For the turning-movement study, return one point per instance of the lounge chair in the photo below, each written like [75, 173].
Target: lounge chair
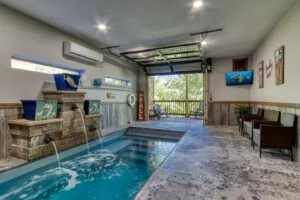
[158, 112]
[269, 116]
[198, 112]
[249, 117]
[280, 135]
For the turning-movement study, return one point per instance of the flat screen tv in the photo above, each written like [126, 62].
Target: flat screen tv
[239, 78]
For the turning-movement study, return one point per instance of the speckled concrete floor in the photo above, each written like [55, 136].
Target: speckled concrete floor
[217, 163]
[10, 162]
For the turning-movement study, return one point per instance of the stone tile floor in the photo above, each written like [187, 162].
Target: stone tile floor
[214, 162]
[219, 164]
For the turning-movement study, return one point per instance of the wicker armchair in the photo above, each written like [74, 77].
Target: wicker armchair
[249, 118]
[275, 135]
[270, 116]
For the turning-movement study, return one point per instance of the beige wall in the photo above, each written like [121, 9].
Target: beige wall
[286, 33]
[217, 84]
[22, 35]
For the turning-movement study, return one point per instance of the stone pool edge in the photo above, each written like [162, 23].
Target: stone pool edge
[14, 171]
[147, 189]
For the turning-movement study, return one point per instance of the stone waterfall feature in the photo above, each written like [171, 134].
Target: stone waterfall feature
[67, 131]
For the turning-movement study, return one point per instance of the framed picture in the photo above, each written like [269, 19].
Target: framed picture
[239, 78]
[279, 66]
[240, 64]
[261, 75]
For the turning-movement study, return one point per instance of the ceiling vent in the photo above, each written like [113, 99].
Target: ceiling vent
[81, 54]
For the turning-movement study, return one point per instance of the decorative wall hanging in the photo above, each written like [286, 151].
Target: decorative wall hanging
[239, 78]
[240, 64]
[141, 106]
[279, 66]
[269, 69]
[97, 82]
[111, 95]
[261, 75]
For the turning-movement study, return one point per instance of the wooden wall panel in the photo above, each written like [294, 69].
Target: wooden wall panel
[7, 113]
[222, 113]
[116, 114]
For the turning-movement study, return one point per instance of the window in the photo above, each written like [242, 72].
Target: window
[19, 62]
[117, 82]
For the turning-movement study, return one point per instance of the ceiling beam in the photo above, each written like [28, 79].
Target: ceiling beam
[173, 63]
[170, 64]
[144, 68]
[165, 54]
[206, 32]
[109, 48]
[186, 57]
[158, 48]
[175, 72]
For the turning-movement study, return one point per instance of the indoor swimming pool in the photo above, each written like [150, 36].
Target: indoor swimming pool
[116, 169]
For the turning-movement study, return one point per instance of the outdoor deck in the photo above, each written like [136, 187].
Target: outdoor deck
[217, 163]
[179, 119]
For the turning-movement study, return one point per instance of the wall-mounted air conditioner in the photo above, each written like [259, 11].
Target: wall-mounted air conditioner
[80, 53]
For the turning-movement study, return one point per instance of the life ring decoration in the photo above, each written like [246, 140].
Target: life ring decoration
[131, 100]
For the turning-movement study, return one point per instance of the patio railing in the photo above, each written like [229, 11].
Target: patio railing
[179, 107]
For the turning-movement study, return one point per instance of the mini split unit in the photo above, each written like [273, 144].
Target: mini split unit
[81, 54]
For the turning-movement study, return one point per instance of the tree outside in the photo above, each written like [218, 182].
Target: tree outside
[173, 87]
[170, 93]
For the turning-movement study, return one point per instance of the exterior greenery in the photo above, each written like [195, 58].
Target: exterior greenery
[170, 93]
[173, 87]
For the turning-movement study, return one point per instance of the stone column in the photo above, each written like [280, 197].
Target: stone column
[72, 127]
[28, 138]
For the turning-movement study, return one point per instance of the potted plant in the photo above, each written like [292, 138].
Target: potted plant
[241, 110]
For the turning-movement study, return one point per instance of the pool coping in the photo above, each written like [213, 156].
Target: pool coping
[28, 167]
[108, 135]
[146, 186]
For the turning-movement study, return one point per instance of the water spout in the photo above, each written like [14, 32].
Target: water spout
[74, 107]
[57, 156]
[92, 129]
[49, 140]
[84, 129]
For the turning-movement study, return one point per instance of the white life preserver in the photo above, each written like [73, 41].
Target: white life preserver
[131, 100]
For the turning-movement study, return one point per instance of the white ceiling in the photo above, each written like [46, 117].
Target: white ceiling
[136, 24]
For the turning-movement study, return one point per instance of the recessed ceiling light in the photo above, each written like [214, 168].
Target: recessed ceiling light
[197, 4]
[203, 43]
[102, 27]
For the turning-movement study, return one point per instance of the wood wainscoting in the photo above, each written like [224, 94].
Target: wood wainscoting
[8, 111]
[114, 114]
[222, 113]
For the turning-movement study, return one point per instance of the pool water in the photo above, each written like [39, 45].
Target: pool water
[101, 174]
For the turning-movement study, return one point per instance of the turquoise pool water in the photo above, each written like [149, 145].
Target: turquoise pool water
[106, 174]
